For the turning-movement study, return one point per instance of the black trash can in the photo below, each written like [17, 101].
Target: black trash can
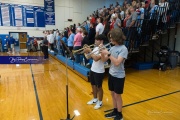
[173, 58]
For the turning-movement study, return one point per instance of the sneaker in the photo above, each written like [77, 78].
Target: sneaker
[98, 105]
[93, 101]
[118, 117]
[111, 115]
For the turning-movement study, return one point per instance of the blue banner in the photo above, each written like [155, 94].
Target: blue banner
[49, 12]
[29, 16]
[39, 16]
[49, 5]
[50, 18]
[21, 59]
[17, 15]
[26, 15]
[5, 14]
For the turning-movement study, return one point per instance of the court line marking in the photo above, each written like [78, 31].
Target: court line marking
[146, 100]
[36, 93]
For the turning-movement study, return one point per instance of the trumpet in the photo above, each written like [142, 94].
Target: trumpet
[88, 55]
[81, 50]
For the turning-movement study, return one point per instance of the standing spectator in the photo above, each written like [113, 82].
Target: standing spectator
[85, 41]
[117, 23]
[92, 33]
[35, 43]
[99, 27]
[11, 43]
[70, 40]
[112, 23]
[51, 41]
[58, 42]
[122, 13]
[66, 32]
[6, 44]
[45, 48]
[131, 21]
[64, 38]
[77, 44]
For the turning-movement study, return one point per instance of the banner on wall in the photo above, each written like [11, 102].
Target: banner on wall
[39, 16]
[5, 14]
[49, 12]
[28, 16]
[17, 15]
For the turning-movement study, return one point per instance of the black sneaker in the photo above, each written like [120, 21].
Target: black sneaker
[118, 117]
[111, 114]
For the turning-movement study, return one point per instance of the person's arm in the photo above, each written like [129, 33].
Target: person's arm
[132, 23]
[95, 57]
[134, 17]
[116, 61]
[119, 23]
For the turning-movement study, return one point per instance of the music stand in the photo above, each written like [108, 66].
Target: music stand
[67, 98]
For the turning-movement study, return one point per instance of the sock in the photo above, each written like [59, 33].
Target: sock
[115, 110]
[100, 102]
[95, 99]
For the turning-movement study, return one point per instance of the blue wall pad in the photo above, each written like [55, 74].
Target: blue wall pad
[143, 66]
[75, 66]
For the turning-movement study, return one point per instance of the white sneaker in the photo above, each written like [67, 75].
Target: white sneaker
[98, 105]
[93, 101]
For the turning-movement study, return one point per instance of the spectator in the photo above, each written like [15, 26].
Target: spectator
[99, 27]
[77, 44]
[92, 33]
[117, 23]
[11, 43]
[51, 41]
[131, 21]
[45, 48]
[71, 40]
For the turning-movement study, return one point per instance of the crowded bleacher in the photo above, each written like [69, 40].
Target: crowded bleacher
[140, 20]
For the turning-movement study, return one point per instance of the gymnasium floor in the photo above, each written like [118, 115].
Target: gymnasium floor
[38, 92]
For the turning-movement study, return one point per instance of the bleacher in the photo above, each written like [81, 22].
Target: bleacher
[144, 39]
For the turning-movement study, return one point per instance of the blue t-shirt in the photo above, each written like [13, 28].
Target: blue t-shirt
[71, 40]
[65, 40]
[58, 39]
[11, 41]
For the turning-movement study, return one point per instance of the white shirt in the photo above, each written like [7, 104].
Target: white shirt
[51, 39]
[97, 67]
[100, 28]
[122, 15]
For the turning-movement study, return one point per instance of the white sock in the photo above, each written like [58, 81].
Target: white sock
[100, 102]
[95, 99]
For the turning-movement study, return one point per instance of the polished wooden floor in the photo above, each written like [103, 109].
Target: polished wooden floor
[18, 100]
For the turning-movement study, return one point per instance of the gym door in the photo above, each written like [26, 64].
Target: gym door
[22, 40]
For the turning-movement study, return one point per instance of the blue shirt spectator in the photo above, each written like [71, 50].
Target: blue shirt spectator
[11, 40]
[65, 40]
[71, 39]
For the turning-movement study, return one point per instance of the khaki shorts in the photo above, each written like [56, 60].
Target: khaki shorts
[12, 45]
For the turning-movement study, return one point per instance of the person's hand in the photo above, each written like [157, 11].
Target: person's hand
[104, 52]
[87, 50]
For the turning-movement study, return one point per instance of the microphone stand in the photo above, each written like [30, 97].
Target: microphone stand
[67, 98]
